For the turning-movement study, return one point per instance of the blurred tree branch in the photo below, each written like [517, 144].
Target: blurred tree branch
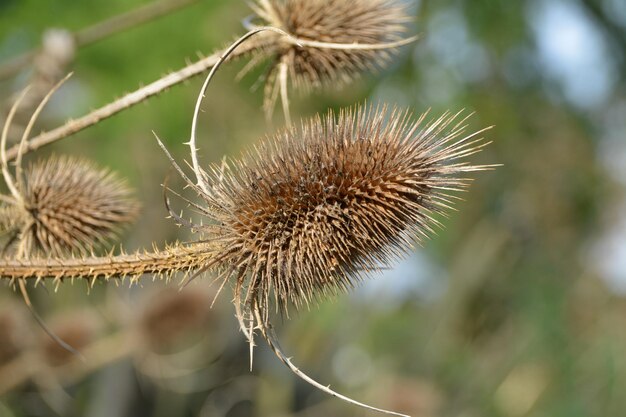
[615, 31]
[102, 30]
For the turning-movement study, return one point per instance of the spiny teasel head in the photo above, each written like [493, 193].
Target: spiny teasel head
[311, 211]
[68, 205]
[333, 38]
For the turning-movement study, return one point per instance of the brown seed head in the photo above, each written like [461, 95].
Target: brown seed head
[344, 22]
[312, 210]
[69, 206]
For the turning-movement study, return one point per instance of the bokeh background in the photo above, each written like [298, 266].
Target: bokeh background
[515, 309]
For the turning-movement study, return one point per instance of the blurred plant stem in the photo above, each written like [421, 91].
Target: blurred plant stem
[102, 30]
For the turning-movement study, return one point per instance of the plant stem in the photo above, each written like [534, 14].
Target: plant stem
[179, 257]
[125, 102]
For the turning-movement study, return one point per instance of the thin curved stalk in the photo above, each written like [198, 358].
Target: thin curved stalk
[268, 334]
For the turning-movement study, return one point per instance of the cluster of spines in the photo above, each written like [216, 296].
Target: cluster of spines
[312, 210]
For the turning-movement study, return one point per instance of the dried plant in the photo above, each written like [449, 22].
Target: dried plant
[69, 205]
[310, 211]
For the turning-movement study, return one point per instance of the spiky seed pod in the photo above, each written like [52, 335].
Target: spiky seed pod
[345, 22]
[312, 210]
[70, 206]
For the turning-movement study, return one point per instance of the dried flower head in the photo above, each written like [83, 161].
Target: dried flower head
[60, 205]
[312, 210]
[331, 41]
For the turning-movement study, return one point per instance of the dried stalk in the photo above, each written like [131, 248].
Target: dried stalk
[102, 30]
[167, 261]
[267, 331]
[270, 43]
[123, 103]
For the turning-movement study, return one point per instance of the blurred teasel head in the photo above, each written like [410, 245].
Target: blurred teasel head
[330, 43]
[68, 206]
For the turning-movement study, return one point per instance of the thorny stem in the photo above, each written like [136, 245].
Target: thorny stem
[170, 80]
[125, 102]
[179, 257]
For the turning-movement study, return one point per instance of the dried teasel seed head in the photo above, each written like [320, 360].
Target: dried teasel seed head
[69, 206]
[338, 24]
[312, 210]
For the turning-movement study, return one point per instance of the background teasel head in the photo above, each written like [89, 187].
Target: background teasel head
[337, 40]
[172, 314]
[60, 205]
[68, 206]
[78, 328]
[15, 332]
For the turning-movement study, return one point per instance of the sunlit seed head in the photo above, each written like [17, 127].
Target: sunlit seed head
[312, 210]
